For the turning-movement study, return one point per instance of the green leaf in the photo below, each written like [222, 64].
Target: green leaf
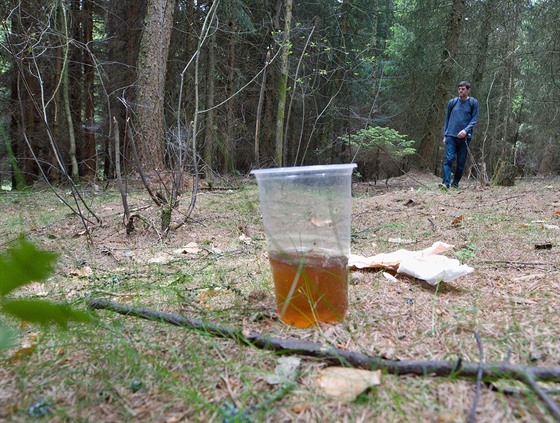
[7, 336]
[24, 264]
[43, 312]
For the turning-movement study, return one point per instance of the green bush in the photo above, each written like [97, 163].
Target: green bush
[379, 152]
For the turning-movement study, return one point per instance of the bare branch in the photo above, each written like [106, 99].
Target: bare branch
[490, 371]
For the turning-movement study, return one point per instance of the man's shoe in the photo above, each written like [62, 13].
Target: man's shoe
[455, 186]
[443, 187]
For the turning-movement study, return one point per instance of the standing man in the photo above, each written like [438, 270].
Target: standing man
[461, 117]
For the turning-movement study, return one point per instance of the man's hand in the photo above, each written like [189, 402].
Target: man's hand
[462, 134]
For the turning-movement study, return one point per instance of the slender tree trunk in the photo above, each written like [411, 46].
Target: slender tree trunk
[73, 88]
[68, 113]
[71, 92]
[18, 182]
[375, 24]
[433, 127]
[152, 65]
[511, 67]
[209, 132]
[283, 85]
[259, 112]
[89, 150]
[229, 138]
[336, 87]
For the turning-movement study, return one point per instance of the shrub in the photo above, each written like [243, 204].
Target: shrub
[379, 152]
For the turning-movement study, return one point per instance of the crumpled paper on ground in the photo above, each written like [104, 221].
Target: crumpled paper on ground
[427, 264]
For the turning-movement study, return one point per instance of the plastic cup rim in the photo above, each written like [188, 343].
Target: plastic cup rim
[303, 169]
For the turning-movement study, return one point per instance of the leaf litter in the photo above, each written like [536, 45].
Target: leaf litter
[511, 300]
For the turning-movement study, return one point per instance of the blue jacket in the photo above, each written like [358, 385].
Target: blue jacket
[460, 115]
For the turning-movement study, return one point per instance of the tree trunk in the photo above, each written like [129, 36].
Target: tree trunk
[229, 138]
[124, 33]
[209, 132]
[283, 86]
[152, 65]
[89, 151]
[337, 85]
[482, 43]
[74, 173]
[510, 71]
[25, 120]
[433, 127]
[72, 85]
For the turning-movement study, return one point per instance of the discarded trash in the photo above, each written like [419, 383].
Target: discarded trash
[426, 264]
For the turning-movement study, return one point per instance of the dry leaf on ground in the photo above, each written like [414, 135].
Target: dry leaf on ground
[345, 384]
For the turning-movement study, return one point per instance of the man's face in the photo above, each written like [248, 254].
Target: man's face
[463, 91]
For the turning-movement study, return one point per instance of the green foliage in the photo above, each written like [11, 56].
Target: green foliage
[44, 312]
[466, 253]
[20, 265]
[23, 264]
[379, 152]
[388, 140]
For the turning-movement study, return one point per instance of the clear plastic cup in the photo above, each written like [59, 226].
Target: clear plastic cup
[306, 215]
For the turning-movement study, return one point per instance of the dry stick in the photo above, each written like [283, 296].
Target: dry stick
[508, 198]
[472, 417]
[551, 405]
[490, 371]
[517, 263]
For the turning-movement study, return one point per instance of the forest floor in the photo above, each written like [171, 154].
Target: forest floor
[121, 368]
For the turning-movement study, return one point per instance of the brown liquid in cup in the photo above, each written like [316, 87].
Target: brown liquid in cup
[310, 288]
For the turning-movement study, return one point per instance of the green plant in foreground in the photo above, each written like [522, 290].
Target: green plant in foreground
[20, 265]
[466, 253]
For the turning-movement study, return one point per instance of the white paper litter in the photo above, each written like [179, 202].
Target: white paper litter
[425, 264]
[434, 269]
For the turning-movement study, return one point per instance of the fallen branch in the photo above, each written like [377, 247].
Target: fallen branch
[518, 263]
[479, 370]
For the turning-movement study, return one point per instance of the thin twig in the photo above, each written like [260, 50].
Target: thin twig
[517, 263]
[508, 198]
[472, 417]
[552, 407]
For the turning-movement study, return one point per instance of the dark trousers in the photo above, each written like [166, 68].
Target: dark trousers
[455, 148]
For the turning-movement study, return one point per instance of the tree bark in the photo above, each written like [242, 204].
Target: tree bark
[72, 83]
[152, 65]
[283, 86]
[432, 132]
[258, 116]
[123, 28]
[89, 151]
[482, 43]
[229, 138]
[209, 132]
